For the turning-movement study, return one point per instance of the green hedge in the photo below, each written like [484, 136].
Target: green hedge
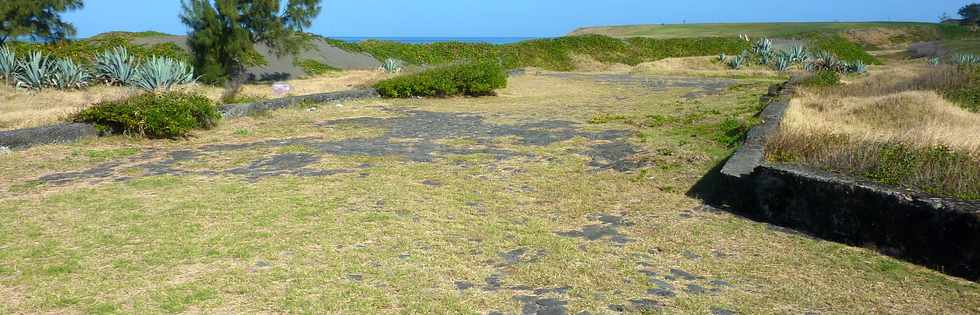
[478, 79]
[965, 93]
[151, 115]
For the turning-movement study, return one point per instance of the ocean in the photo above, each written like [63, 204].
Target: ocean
[429, 40]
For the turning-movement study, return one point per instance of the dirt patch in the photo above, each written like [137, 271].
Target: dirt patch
[702, 86]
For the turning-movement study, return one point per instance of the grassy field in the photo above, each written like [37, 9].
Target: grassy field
[963, 46]
[776, 30]
[565, 192]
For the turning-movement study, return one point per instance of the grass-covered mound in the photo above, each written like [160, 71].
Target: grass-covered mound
[840, 47]
[84, 50]
[477, 79]
[552, 53]
[152, 115]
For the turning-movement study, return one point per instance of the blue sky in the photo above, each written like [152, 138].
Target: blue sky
[519, 18]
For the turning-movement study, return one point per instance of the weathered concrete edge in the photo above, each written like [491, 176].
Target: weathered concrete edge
[241, 110]
[59, 133]
[941, 233]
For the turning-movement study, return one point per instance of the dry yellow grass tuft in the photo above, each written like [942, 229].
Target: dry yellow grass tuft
[892, 126]
[19, 109]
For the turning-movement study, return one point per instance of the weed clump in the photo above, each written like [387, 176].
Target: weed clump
[478, 79]
[152, 115]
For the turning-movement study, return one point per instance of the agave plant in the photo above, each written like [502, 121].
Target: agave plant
[722, 57]
[935, 61]
[967, 59]
[8, 63]
[798, 54]
[782, 63]
[856, 67]
[762, 47]
[35, 72]
[162, 73]
[69, 75]
[736, 62]
[391, 66]
[116, 66]
[822, 60]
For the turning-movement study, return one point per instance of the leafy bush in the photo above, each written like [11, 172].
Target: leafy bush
[732, 131]
[69, 75]
[161, 73]
[152, 115]
[35, 72]
[823, 78]
[116, 66]
[477, 79]
[965, 92]
[313, 67]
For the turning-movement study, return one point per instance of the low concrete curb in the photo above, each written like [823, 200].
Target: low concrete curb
[240, 110]
[941, 233]
[60, 133]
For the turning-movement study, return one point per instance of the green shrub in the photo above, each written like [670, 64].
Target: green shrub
[965, 92]
[823, 78]
[313, 67]
[167, 115]
[732, 131]
[477, 79]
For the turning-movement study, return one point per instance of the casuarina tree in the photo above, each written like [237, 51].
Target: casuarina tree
[223, 34]
[971, 14]
[39, 19]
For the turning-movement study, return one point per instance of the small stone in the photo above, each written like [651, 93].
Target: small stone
[661, 292]
[311, 109]
[356, 277]
[340, 105]
[463, 285]
[721, 311]
[695, 289]
[5, 150]
[617, 308]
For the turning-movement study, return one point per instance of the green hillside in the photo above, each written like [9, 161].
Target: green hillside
[753, 29]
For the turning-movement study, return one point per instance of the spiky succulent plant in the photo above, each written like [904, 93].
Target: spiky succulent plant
[736, 62]
[798, 54]
[935, 61]
[35, 72]
[722, 57]
[391, 66]
[782, 63]
[967, 59]
[8, 63]
[69, 75]
[116, 66]
[856, 67]
[762, 47]
[162, 73]
[822, 60]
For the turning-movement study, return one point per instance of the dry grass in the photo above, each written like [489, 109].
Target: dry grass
[19, 109]
[892, 126]
[706, 66]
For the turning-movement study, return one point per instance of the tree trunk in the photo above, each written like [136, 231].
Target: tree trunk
[234, 84]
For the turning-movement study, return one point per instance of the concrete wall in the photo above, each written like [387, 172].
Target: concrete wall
[940, 233]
